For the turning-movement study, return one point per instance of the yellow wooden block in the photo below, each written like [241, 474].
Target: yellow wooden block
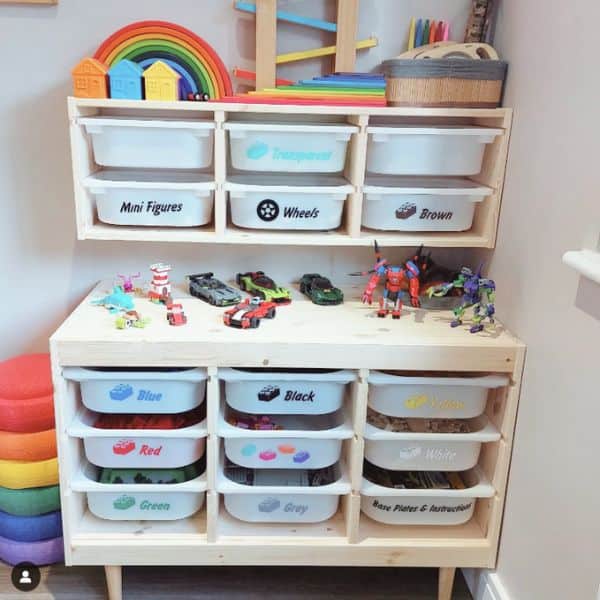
[324, 51]
[161, 82]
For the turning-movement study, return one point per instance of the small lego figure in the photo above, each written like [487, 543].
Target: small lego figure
[394, 277]
[131, 318]
[175, 315]
[479, 294]
[127, 280]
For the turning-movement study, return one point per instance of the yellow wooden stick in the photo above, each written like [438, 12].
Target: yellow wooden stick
[325, 51]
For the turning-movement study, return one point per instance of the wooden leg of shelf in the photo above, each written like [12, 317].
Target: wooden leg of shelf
[114, 582]
[445, 583]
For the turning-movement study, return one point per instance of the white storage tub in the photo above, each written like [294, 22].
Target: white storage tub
[153, 199]
[307, 442]
[290, 148]
[144, 502]
[427, 150]
[424, 506]
[280, 392]
[139, 448]
[150, 143]
[458, 397]
[433, 204]
[165, 391]
[281, 503]
[414, 451]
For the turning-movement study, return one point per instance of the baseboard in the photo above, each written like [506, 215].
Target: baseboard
[485, 585]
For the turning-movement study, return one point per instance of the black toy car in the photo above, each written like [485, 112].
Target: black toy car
[206, 287]
[320, 290]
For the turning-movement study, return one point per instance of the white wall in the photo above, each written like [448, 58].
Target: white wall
[551, 537]
[46, 271]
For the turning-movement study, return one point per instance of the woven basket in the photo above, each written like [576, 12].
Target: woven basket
[446, 82]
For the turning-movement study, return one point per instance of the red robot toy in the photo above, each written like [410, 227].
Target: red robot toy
[394, 277]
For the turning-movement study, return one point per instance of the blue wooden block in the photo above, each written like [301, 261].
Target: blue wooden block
[126, 81]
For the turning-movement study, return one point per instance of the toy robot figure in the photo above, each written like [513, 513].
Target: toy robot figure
[394, 277]
[478, 293]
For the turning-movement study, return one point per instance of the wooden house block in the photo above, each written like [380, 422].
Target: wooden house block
[126, 81]
[161, 82]
[90, 79]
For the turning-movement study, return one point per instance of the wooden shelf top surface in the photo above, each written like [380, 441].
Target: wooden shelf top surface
[301, 335]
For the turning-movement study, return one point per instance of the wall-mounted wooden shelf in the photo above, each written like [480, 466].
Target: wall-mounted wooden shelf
[351, 233]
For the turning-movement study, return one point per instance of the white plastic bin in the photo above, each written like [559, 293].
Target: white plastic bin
[281, 502]
[291, 148]
[424, 507]
[139, 448]
[153, 199]
[280, 393]
[427, 150]
[307, 442]
[459, 397]
[150, 143]
[145, 502]
[414, 451]
[435, 204]
[166, 391]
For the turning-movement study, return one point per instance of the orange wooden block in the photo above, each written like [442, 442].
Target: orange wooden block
[30, 447]
[90, 79]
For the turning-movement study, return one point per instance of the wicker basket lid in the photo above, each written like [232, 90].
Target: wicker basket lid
[456, 68]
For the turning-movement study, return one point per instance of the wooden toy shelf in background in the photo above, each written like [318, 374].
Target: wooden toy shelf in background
[351, 233]
[348, 337]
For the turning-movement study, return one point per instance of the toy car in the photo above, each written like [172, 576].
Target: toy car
[320, 290]
[175, 315]
[268, 393]
[211, 290]
[247, 314]
[258, 284]
[131, 319]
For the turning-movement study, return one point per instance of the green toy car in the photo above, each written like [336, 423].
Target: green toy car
[320, 290]
[258, 284]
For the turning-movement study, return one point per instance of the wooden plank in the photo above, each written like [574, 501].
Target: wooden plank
[347, 28]
[446, 582]
[114, 582]
[320, 52]
[355, 173]
[289, 17]
[220, 169]
[266, 43]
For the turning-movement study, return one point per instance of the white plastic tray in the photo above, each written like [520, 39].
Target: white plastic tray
[422, 204]
[296, 447]
[427, 150]
[425, 507]
[435, 397]
[285, 393]
[146, 501]
[412, 451]
[139, 448]
[150, 143]
[139, 391]
[159, 199]
[282, 504]
[283, 147]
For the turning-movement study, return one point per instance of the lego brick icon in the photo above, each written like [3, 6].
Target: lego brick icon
[124, 447]
[120, 392]
[269, 505]
[124, 502]
[268, 393]
[406, 210]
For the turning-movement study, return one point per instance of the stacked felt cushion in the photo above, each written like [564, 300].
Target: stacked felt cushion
[30, 523]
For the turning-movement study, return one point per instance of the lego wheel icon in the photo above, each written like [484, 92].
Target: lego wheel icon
[267, 210]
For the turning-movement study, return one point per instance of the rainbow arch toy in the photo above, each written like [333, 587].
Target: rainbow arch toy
[195, 60]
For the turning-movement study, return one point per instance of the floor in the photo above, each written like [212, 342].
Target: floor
[247, 583]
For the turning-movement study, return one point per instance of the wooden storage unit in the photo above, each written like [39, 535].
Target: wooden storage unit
[221, 230]
[302, 335]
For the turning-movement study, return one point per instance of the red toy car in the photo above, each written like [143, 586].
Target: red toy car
[175, 315]
[247, 314]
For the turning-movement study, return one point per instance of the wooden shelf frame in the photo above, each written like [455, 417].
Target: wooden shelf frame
[418, 341]
[351, 233]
